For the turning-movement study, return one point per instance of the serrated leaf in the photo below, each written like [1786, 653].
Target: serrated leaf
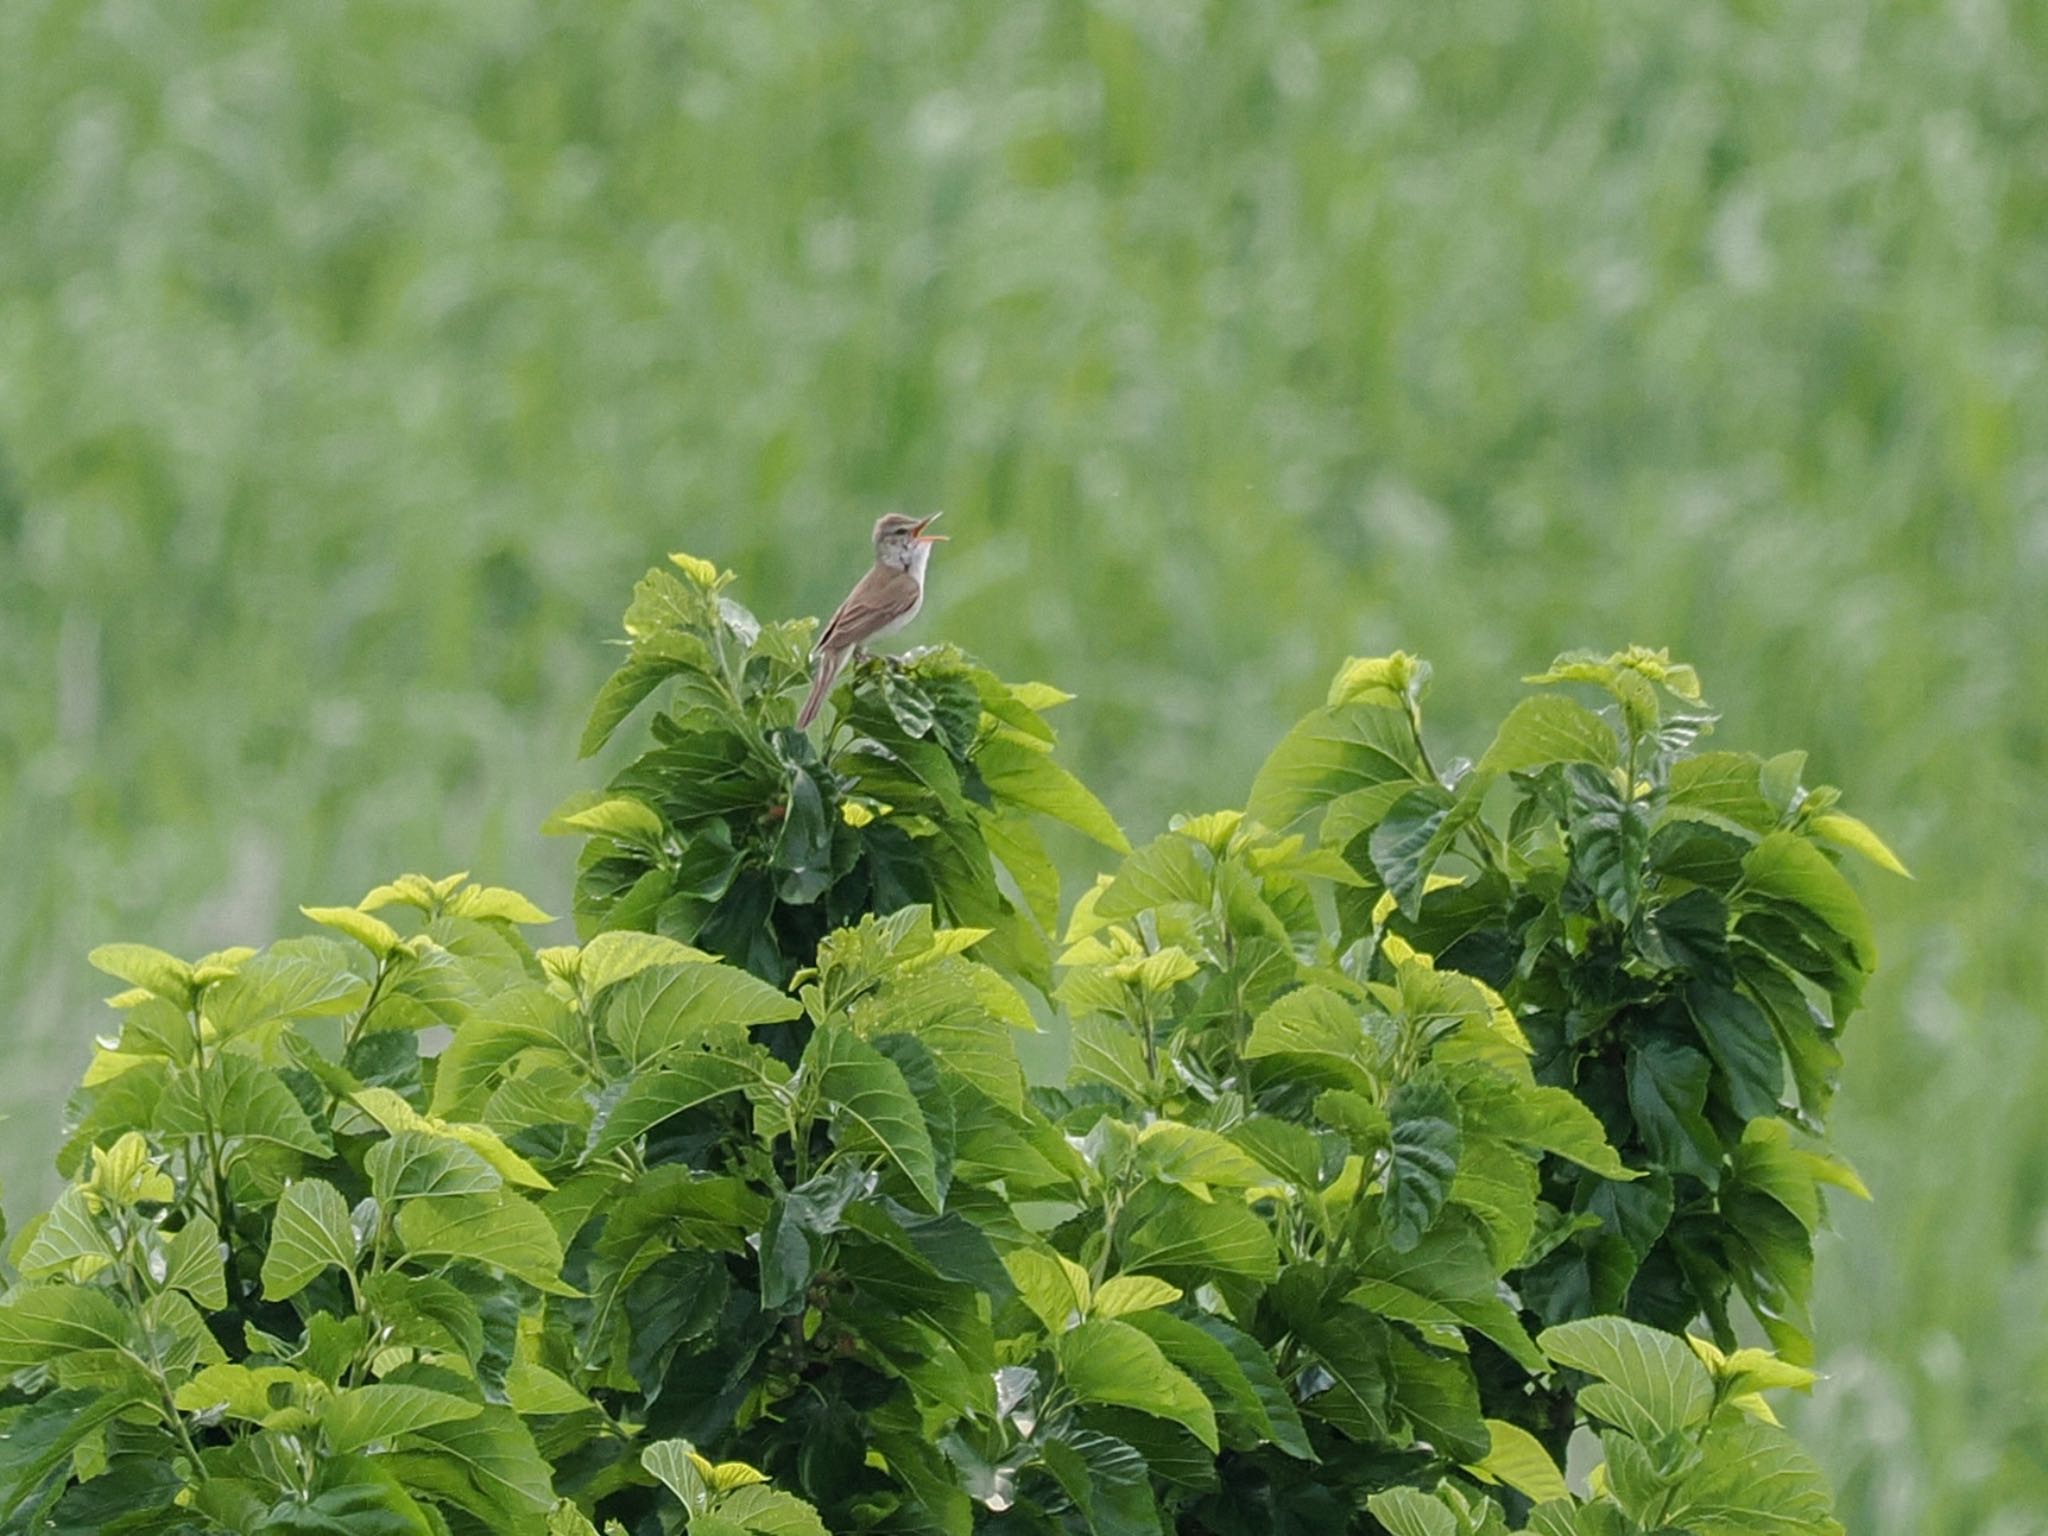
[239, 1098]
[496, 903]
[1024, 775]
[761, 1509]
[361, 1417]
[681, 1470]
[1053, 1286]
[1651, 1385]
[1333, 752]
[1743, 1045]
[1754, 1480]
[487, 1464]
[502, 1231]
[40, 1324]
[1236, 1372]
[193, 1263]
[685, 1081]
[1105, 1361]
[165, 975]
[1425, 1141]
[873, 1105]
[1176, 1153]
[691, 1006]
[415, 1164]
[1554, 1120]
[1405, 1512]
[1549, 728]
[68, 1241]
[1319, 1024]
[1667, 1092]
[1168, 1228]
[1787, 868]
[310, 1231]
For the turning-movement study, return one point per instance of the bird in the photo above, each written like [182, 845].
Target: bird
[881, 602]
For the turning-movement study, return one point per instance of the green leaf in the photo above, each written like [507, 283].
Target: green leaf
[1128, 1295]
[1408, 841]
[1105, 1051]
[373, 933]
[681, 1470]
[1405, 1512]
[1439, 1395]
[1447, 1279]
[1754, 1480]
[1744, 1046]
[1026, 775]
[1053, 1286]
[309, 1232]
[419, 1165]
[1107, 1480]
[692, 1006]
[241, 1099]
[687, 1080]
[1549, 728]
[1352, 1346]
[1787, 868]
[1845, 831]
[612, 957]
[620, 817]
[874, 1105]
[1168, 870]
[1517, 1458]
[361, 1417]
[1234, 1369]
[485, 1464]
[45, 1323]
[193, 1263]
[518, 1019]
[1330, 753]
[1667, 1091]
[1725, 784]
[293, 978]
[1555, 1120]
[1105, 1361]
[1319, 1024]
[769, 1511]
[1650, 1383]
[1167, 1228]
[500, 1230]
[1175, 1153]
[37, 1437]
[68, 1241]
[151, 969]
[657, 657]
[1425, 1141]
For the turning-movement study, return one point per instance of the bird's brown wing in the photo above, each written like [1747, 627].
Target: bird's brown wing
[881, 597]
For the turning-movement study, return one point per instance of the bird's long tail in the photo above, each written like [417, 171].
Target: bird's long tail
[830, 664]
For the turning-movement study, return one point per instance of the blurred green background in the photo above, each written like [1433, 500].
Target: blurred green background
[354, 358]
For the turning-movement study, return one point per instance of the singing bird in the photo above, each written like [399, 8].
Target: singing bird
[882, 602]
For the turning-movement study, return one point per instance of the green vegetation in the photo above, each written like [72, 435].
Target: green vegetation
[352, 359]
[1390, 1157]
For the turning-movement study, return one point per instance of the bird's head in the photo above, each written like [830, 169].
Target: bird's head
[904, 542]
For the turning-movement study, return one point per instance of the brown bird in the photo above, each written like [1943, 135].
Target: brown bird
[882, 602]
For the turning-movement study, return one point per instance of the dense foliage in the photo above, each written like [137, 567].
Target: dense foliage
[1389, 1155]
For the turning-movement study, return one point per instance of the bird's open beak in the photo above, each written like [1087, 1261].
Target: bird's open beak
[922, 537]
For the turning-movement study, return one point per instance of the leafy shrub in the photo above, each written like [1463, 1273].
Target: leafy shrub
[1388, 1158]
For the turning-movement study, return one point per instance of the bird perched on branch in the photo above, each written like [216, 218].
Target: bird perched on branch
[882, 602]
